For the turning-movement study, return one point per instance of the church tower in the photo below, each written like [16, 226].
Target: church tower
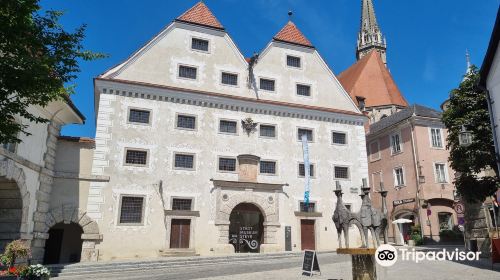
[370, 36]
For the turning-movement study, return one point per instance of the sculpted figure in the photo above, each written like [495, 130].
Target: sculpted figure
[343, 218]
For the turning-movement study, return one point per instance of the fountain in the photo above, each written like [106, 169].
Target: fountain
[368, 219]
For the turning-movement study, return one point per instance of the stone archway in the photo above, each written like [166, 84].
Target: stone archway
[13, 184]
[267, 205]
[67, 214]
[402, 230]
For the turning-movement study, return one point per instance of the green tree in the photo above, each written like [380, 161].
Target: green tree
[38, 62]
[467, 110]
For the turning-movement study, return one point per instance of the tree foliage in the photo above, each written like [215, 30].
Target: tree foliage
[37, 59]
[468, 110]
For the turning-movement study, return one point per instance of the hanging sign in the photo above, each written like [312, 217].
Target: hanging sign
[307, 188]
[310, 263]
[403, 201]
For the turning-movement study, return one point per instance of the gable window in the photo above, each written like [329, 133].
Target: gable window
[229, 79]
[266, 84]
[374, 150]
[303, 90]
[184, 161]
[339, 138]
[136, 157]
[199, 44]
[399, 179]
[227, 164]
[267, 130]
[187, 72]
[341, 172]
[226, 126]
[395, 143]
[139, 116]
[302, 170]
[311, 208]
[186, 122]
[293, 61]
[267, 167]
[440, 169]
[182, 204]
[436, 138]
[131, 210]
[305, 131]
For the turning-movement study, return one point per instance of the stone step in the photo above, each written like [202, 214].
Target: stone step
[89, 269]
[178, 253]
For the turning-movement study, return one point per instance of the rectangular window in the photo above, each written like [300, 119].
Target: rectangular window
[293, 61]
[374, 151]
[185, 121]
[267, 130]
[305, 131]
[227, 164]
[138, 116]
[187, 72]
[399, 179]
[445, 221]
[266, 84]
[341, 172]
[311, 208]
[267, 167]
[227, 126]
[436, 138]
[199, 44]
[304, 90]
[131, 210]
[395, 144]
[184, 161]
[440, 169]
[229, 79]
[181, 204]
[339, 138]
[302, 170]
[136, 157]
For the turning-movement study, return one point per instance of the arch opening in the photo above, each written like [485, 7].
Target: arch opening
[64, 244]
[246, 228]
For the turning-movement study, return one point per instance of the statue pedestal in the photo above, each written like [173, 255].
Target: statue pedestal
[363, 262]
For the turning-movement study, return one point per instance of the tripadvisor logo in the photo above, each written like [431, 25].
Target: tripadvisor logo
[386, 255]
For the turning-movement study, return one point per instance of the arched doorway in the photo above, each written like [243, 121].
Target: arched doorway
[403, 230]
[246, 227]
[64, 244]
[11, 212]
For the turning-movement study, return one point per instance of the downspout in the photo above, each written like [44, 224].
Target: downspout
[417, 174]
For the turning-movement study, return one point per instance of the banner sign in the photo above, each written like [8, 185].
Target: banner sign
[403, 201]
[307, 164]
[246, 235]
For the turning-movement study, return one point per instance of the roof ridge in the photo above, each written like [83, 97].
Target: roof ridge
[290, 33]
[202, 15]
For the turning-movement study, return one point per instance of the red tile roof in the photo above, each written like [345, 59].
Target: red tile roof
[201, 14]
[370, 78]
[291, 34]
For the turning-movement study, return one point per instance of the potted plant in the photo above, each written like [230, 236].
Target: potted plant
[35, 272]
[15, 250]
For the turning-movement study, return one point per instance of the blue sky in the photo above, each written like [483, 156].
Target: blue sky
[426, 38]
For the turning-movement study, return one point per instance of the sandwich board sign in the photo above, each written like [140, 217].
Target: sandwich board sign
[310, 263]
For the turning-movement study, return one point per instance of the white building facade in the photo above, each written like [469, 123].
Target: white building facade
[202, 146]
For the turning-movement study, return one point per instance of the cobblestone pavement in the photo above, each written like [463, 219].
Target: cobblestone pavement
[404, 270]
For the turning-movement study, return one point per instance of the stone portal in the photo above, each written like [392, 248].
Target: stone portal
[246, 228]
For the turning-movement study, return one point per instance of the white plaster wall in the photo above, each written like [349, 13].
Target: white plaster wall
[493, 86]
[162, 139]
[157, 63]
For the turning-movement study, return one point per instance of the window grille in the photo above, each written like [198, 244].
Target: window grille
[138, 116]
[136, 157]
[131, 210]
[187, 72]
[184, 161]
[267, 167]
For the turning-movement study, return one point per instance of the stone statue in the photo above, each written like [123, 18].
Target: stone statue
[371, 219]
[343, 218]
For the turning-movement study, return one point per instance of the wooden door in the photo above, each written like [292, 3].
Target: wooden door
[307, 239]
[180, 233]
